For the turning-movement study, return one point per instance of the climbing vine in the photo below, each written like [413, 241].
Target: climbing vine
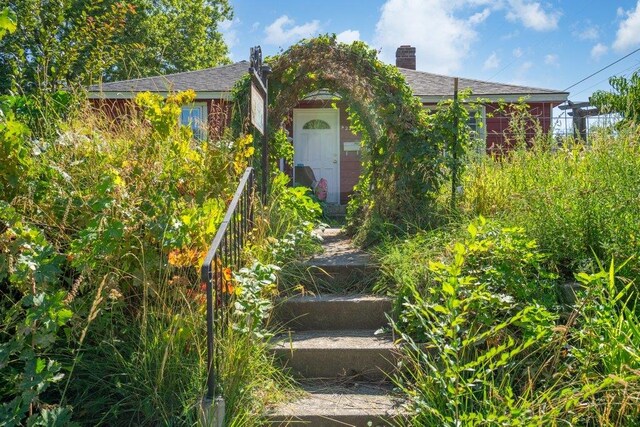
[402, 162]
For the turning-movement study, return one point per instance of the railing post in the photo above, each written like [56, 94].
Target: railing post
[266, 70]
[225, 252]
[211, 381]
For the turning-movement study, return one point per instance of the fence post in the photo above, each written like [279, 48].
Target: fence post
[454, 165]
[265, 71]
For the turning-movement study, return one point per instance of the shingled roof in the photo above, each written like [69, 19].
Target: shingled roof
[427, 85]
[209, 80]
[217, 83]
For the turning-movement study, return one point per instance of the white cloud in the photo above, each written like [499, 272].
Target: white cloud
[589, 32]
[532, 15]
[282, 31]
[598, 50]
[442, 31]
[517, 52]
[348, 36]
[480, 17]
[628, 35]
[526, 66]
[511, 35]
[551, 59]
[492, 62]
[229, 31]
[255, 26]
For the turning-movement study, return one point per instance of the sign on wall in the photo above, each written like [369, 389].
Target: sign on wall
[257, 109]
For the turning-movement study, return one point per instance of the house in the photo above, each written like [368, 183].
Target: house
[321, 135]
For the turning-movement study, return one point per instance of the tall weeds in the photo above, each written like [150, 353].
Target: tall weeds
[101, 239]
[480, 351]
[576, 200]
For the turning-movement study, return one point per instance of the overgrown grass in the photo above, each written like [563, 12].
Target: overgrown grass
[486, 342]
[579, 202]
[102, 232]
[488, 336]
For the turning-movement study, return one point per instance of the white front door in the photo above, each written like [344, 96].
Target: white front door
[316, 144]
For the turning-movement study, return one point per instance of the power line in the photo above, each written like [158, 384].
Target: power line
[622, 73]
[601, 69]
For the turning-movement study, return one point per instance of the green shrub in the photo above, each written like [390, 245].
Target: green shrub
[477, 351]
[111, 222]
[290, 219]
[576, 202]
[502, 258]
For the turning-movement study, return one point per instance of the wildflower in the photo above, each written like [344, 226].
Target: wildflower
[185, 257]
[114, 295]
[227, 281]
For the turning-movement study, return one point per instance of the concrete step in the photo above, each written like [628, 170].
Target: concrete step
[341, 267]
[335, 211]
[333, 312]
[333, 405]
[345, 355]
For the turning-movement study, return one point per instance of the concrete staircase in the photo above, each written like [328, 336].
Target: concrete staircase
[335, 350]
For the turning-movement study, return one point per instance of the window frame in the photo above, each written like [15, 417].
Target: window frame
[316, 121]
[479, 145]
[199, 130]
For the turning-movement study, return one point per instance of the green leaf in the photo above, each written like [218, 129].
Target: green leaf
[473, 230]
[440, 309]
[8, 22]
[40, 365]
[447, 288]
[64, 315]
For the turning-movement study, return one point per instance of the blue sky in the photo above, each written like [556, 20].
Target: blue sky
[549, 44]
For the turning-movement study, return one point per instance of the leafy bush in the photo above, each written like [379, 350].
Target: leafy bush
[575, 201]
[292, 216]
[102, 229]
[502, 258]
[254, 291]
[479, 351]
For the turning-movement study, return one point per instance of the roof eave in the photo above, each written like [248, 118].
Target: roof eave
[226, 95]
[554, 97]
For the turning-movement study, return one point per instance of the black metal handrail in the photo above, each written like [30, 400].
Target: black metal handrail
[224, 257]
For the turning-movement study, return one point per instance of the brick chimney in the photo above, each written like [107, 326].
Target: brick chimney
[406, 57]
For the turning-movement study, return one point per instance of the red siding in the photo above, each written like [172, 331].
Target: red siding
[498, 138]
[350, 164]
[218, 111]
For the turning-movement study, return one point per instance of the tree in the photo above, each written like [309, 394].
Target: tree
[62, 43]
[624, 99]
[168, 36]
[59, 42]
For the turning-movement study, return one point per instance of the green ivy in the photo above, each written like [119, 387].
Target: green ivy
[406, 149]
[400, 161]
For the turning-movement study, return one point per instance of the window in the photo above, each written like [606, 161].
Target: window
[478, 131]
[195, 116]
[316, 124]
[477, 125]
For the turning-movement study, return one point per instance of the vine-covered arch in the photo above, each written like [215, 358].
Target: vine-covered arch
[401, 163]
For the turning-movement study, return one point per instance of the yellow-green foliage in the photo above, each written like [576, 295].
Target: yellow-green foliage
[110, 223]
[163, 113]
[575, 200]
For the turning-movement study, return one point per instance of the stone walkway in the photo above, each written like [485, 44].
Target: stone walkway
[333, 348]
[339, 252]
